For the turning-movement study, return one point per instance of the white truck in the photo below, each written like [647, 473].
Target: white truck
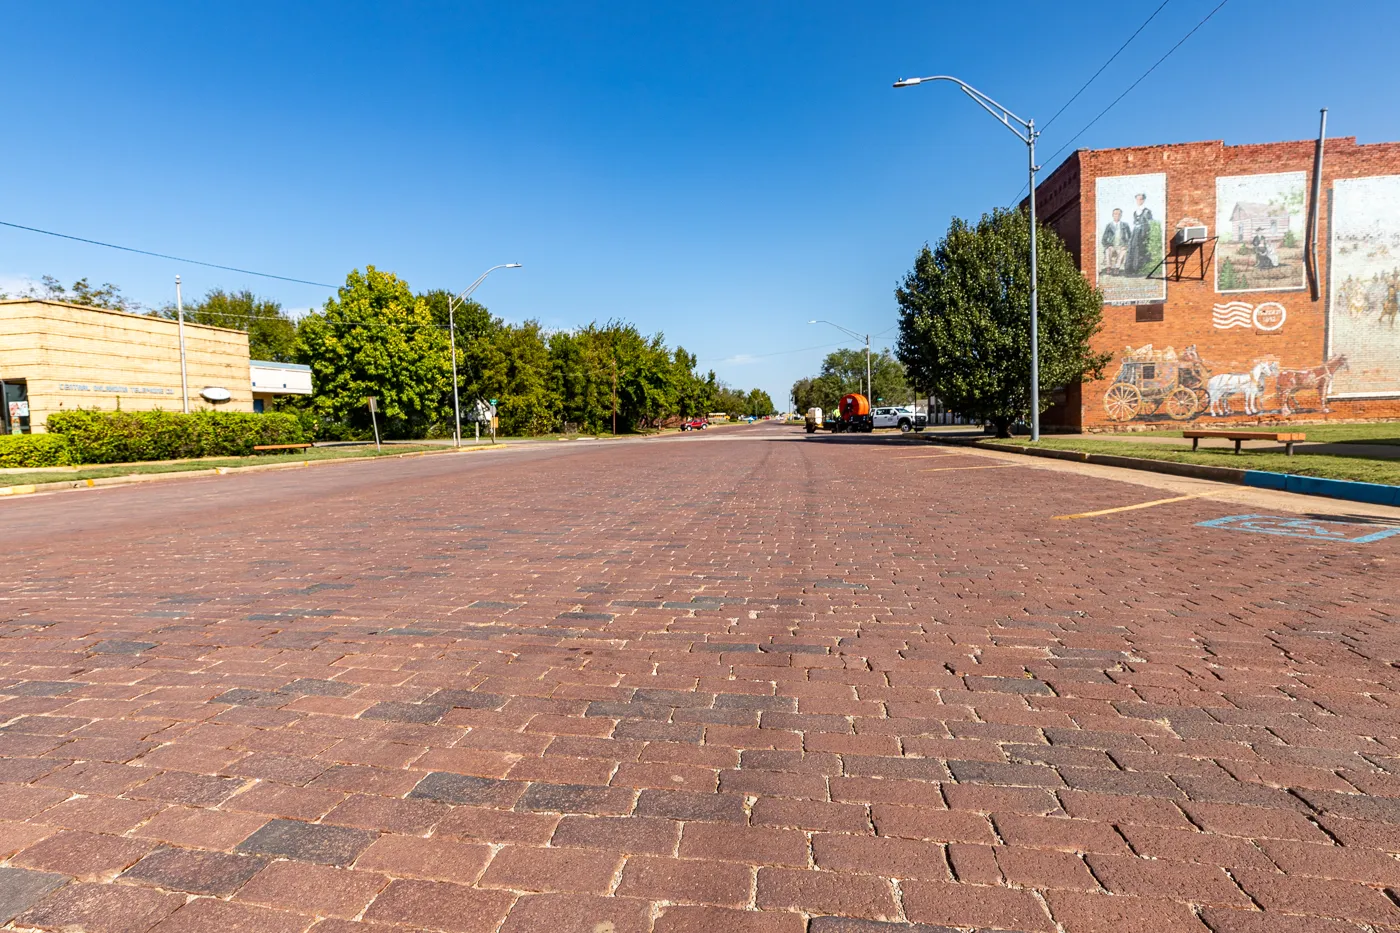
[894, 417]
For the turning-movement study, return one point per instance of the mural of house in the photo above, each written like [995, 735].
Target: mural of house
[1250, 219]
[1246, 327]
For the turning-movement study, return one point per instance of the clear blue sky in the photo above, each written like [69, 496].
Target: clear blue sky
[719, 171]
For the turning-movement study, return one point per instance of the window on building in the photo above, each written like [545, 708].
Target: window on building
[15, 408]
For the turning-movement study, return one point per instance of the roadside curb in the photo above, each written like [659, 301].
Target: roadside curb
[1370, 493]
[136, 478]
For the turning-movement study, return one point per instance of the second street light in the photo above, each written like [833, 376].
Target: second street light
[1026, 132]
[452, 304]
[869, 389]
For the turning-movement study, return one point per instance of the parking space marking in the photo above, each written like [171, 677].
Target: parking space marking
[1313, 529]
[1130, 508]
[995, 466]
[930, 456]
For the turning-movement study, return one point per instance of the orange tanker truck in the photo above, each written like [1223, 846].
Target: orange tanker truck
[855, 414]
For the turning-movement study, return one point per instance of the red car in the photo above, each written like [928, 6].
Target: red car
[694, 424]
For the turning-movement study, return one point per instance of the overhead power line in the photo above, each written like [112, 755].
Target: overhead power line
[146, 252]
[1116, 100]
[1143, 77]
[1111, 59]
[762, 356]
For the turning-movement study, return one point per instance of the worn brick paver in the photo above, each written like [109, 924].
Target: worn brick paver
[747, 682]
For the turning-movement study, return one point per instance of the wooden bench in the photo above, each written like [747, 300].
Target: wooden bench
[1287, 438]
[262, 447]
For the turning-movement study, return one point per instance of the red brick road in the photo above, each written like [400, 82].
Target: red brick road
[737, 683]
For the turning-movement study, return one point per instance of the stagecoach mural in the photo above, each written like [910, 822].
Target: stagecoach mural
[1261, 221]
[1130, 211]
[1167, 384]
[1363, 320]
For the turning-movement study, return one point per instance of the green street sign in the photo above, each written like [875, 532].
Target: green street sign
[492, 401]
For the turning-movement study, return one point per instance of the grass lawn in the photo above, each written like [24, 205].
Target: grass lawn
[101, 470]
[1360, 469]
[1383, 433]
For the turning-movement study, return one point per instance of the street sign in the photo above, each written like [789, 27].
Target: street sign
[373, 401]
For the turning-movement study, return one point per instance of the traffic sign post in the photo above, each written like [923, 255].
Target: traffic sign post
[373, 402]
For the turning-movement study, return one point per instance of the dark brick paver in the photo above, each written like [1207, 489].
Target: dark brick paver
[749, 683]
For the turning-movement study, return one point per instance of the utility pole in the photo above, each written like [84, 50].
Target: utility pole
[1035, 296]
[1027, 133]
[452, 304]
[869, 386]
[184, 377]
[614, 396]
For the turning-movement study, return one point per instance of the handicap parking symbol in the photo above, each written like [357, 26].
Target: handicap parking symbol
[1313, 529]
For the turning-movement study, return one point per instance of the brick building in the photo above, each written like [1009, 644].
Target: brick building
[1216, 308]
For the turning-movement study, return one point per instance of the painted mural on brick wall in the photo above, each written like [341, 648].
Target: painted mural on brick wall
[1363, 321]
[1131, 214]
[1167, 384]
[1261, 221]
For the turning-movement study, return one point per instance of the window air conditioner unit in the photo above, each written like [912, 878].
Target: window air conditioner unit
[1191, 236]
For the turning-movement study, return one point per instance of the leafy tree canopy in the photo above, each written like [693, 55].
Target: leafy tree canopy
[81, 292]
[843, 372]
[377, 338]
[964, 328]
[759, 404]
[272, 335]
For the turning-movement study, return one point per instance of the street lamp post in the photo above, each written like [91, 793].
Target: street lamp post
[452, 304]
[1025, 131]
[869, 389]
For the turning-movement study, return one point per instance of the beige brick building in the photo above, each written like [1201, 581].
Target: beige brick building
[56, 356]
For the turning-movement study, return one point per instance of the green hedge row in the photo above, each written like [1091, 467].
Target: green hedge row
[131, 436]
[34, 450]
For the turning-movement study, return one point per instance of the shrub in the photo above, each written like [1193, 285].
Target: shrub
[129, 436]
[34, 450]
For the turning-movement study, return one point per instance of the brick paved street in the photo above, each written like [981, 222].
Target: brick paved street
[726, 683]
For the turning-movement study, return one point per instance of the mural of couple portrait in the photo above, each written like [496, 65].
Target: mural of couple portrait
[1261, 227]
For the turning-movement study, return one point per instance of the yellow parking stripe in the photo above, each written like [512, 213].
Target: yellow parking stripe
[995, 466]
[1130, 508]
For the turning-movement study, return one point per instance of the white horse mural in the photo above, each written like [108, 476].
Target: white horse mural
[1250, 385]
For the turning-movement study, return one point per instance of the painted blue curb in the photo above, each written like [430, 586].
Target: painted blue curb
[1373, 493]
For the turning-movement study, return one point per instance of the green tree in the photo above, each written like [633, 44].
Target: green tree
[272, 335]
[695, 394]
[651, 382]
[805, 394]
[843, 372]
[376, 338]
[964, 328]
[474, 326]
[511, 365]
[81, 292]
[731, 401]
[759, 404]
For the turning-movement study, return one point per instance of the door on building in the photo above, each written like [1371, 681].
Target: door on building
[14, 412]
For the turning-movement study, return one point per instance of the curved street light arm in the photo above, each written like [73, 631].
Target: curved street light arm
[1002, 114]
[1006, 118]
[840, 328]
[453, 302]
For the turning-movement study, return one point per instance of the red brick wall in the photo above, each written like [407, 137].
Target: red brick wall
[1186, 319]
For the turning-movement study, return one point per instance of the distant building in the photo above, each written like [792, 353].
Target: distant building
[1214, 311]
[272, 379]
[1247, 220]
[56, 356]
